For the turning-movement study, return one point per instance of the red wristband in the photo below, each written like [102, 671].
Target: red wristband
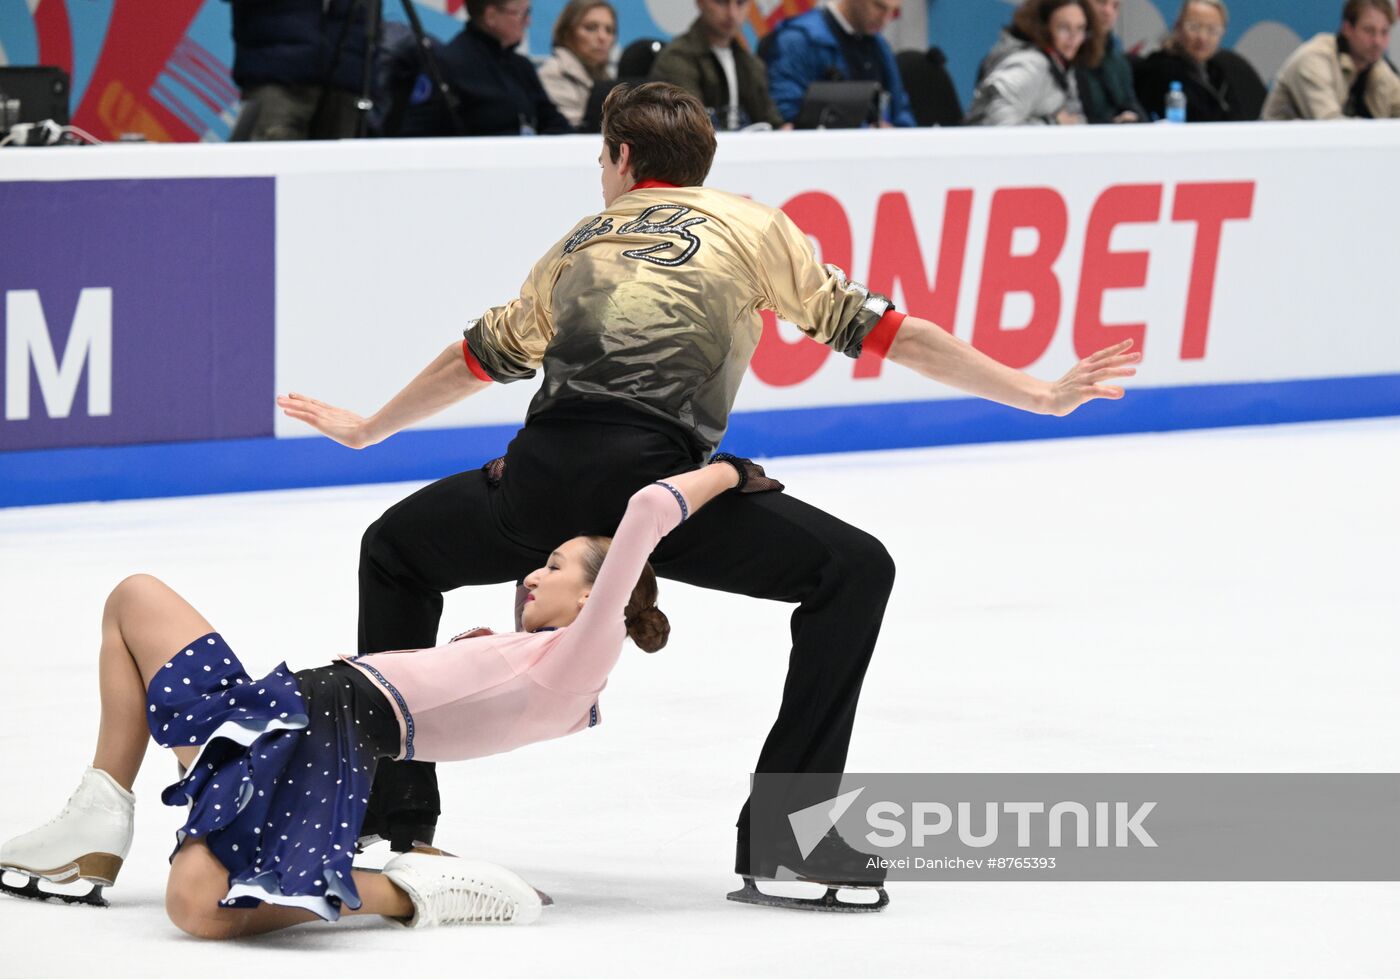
[878, 341]
[473, 364]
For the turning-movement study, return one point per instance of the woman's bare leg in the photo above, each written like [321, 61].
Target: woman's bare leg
[144, 623]
[199, 881]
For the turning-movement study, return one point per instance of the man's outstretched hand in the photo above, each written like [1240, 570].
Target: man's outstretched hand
[1084, 382]
[343, 426]
[444, 382]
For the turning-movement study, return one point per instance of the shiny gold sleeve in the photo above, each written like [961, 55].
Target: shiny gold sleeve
[509, 341]
[818, 299]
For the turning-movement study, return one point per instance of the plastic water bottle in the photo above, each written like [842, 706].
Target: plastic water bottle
[1176, 103]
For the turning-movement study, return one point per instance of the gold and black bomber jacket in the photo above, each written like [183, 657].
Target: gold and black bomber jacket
[654, 303]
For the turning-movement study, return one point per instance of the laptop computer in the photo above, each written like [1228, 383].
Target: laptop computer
[839, 105]
[33, 94]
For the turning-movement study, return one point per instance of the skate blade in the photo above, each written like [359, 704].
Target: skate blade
[363, 843]
[432, 851]
[95, 868]
[829, 902]
[66, 893]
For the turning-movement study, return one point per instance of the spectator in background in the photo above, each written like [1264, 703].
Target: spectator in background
[709, 62]
[1343, 74]
[1107, 89]
[299, 65]
[834, 43]
[1011, 40]
[584, 36]
[497, 87]
[1219, 85]
[1029, 77]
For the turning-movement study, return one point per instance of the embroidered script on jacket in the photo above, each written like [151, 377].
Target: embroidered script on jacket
[668, 220]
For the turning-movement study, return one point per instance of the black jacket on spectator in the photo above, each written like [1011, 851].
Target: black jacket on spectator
[1107, 89]
[293, 42]
[1225, 89]
[498, 90]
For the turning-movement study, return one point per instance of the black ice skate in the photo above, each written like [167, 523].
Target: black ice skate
[833, 863]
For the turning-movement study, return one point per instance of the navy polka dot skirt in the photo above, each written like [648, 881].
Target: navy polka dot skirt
[282, 780]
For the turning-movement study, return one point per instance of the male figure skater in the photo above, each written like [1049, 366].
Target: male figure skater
[644, 318]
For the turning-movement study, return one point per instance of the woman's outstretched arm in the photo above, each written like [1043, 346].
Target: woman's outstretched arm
[592, 645]
[700, 486]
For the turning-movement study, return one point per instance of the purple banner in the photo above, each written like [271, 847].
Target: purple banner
[136, 311]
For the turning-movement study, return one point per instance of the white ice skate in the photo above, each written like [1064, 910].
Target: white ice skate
[87, 841]
[458, 891]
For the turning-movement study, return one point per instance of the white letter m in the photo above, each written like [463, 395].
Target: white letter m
[27, 341]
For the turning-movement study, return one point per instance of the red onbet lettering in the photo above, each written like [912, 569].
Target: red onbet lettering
[1044, 210]
[897, 257]
[1210, 205]
[1103, 269]
[775, 360]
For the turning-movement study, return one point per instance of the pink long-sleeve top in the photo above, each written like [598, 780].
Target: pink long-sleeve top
[488, 694]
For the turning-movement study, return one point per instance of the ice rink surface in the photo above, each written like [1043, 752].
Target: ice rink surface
[1210, 601]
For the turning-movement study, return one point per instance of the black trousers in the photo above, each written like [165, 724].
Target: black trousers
[564, 478]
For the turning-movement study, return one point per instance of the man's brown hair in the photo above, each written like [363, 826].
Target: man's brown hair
[1351, 13]
[670, 132]
[1032, 21]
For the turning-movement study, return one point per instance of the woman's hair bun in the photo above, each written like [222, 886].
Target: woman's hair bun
[648, 628]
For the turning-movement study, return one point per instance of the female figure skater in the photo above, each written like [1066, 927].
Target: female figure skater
[277, 770]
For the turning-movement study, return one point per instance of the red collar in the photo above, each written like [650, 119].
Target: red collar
[648, 184]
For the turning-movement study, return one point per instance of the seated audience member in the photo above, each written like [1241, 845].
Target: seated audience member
[709, 62]
[839, 42]
[299, 65]
[584, 36]
[1343, 74]
[1107, 89]
[1010, 40]
[1219, 85]
[499, 92]
[1033, 81]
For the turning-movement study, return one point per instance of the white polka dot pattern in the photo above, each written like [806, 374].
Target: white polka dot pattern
[242, 783]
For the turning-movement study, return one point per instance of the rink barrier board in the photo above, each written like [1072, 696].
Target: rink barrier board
[1239, 302]
[238, 465]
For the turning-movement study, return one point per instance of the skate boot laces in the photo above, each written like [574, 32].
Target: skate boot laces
[447, 890]
[474, 902]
